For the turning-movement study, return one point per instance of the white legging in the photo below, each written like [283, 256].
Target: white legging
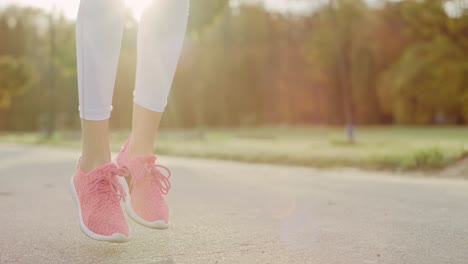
[99, 34]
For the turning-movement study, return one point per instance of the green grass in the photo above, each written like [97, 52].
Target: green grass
[404, 148]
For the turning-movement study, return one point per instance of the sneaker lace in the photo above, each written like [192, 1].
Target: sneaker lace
[106, 183]
[157, 177]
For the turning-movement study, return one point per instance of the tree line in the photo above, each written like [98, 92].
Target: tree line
[402, 62]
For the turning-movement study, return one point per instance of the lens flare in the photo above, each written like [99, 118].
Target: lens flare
[138, 6]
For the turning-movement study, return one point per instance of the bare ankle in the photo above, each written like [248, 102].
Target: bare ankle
[87, 163]
[140, 149]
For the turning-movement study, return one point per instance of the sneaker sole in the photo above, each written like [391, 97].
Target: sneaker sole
[159, 224]
[114, 238]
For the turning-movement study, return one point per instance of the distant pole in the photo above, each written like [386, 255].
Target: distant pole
[227, 48]
[342, 70]
[51, 90]
[291, 104]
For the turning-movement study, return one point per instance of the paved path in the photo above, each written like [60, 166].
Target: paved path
[226, 212]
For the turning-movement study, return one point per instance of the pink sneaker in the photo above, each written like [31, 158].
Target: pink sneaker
[145, 204]
[97, 195]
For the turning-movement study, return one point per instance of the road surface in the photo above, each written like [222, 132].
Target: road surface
[228, 212]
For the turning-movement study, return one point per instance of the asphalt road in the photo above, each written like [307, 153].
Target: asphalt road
[227, 212]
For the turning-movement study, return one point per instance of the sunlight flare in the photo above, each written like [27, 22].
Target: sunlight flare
[138, 6]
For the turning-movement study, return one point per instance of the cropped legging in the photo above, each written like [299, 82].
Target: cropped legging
[99, 31]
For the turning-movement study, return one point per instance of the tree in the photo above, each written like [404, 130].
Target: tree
[429, 78]
[16, 77]
[202, 13]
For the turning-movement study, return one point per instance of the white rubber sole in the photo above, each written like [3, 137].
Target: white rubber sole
[159, 224]
[114, 238]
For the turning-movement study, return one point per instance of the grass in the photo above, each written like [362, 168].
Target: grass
[402, 148]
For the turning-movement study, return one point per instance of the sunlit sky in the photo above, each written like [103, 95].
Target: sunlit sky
[70, 7]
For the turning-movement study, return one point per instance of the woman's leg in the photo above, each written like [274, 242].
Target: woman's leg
[160, 40]
[99, 34]
[98, 37]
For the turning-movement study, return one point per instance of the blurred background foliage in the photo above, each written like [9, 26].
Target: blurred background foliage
[399, 62]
